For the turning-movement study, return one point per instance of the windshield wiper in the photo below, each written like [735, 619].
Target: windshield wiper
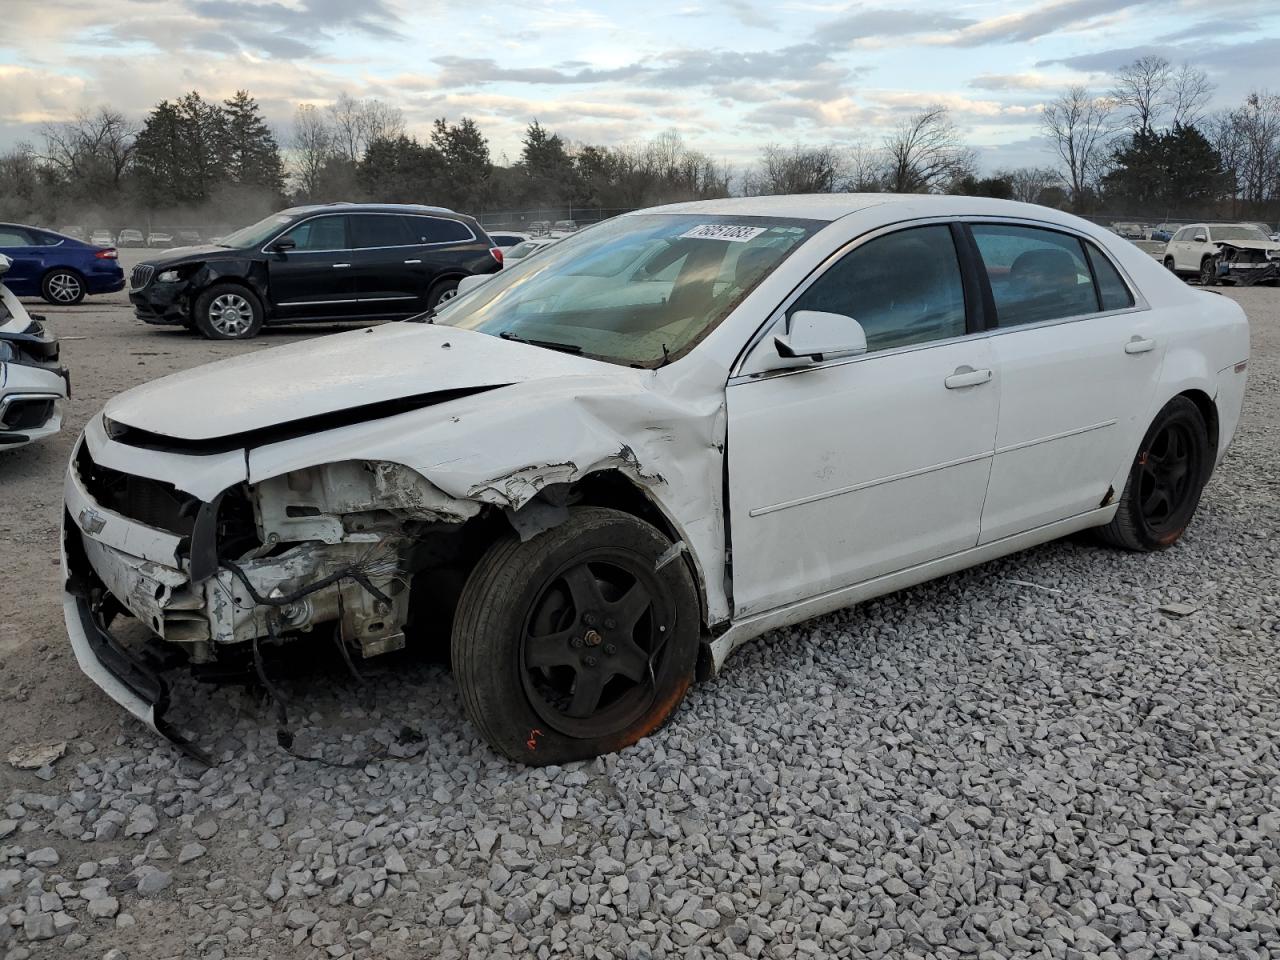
[427, 316]
[548, 344]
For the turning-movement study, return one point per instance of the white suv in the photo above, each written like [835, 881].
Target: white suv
[1195, 249]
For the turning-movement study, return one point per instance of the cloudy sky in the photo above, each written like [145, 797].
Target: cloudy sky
[731, 75]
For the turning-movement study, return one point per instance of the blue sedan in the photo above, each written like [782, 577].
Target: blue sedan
[59, 268]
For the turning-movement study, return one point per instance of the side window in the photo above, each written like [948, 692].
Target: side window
[1113, 292]
[1208, 234]
[904, 288]
[437, 230]
[321, 233]
[379, 230]
[1182, 234]
[1035, 274]
[10, 237]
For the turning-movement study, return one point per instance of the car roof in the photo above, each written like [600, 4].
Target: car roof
[832, 206]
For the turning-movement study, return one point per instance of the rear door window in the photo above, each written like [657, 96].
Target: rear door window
[1113, 292]
[13, 237]
[380, 230]
[437, 230]
[1035, 275]
[903, 288]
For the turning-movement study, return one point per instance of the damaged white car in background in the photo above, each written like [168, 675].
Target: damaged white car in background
[32, 384]
[597, 473]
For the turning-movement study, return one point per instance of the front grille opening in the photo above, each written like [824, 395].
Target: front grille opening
[152, 502]
[28, 414]
[141, 276]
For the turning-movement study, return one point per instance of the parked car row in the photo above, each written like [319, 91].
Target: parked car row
[131, 237]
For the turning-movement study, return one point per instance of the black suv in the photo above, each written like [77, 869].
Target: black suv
[336, 261]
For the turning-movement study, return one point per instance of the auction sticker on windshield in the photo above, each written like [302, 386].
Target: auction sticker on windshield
[723, 231]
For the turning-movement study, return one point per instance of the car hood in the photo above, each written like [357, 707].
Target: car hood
[330, 381]
[1249, 244]
[205, 251]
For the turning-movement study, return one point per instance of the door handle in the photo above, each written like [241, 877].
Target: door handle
[1139, 345]
[966, 376]
[413, 261]
[340, 266]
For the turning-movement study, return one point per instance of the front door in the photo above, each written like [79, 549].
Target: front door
[21, 247]
[852, 469]
[317, 277]
[1078, 367]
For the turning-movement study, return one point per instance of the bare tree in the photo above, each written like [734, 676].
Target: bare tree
[312, 144]
[1076, 123]
[924, 153]
[796, 169]
[1189, 94]
[93, 150]
[1028, 184]
[357, 123]
[863, 169]
[1143, 89]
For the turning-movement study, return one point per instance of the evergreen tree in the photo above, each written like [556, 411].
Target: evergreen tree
[464, 154]
[547, 166]
[249, 154]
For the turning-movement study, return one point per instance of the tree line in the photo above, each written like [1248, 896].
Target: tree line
[1145, 146]
[1149, 144]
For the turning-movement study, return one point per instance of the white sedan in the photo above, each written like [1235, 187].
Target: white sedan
[32, 384]
[595, 476]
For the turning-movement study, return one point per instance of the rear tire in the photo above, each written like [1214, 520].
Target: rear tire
[442, 291]
[228, 311]
[62, 287]
[572, 644]
[1165, 482]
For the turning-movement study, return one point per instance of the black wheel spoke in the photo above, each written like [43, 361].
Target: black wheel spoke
[630, 661]
[630, 607]
[584, 589]
[551, 650]
[587, 690]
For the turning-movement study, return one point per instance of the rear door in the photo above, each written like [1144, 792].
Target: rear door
[1078, 358]
[388, 271]
[317, 277]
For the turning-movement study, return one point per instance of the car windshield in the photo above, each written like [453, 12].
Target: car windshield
[256, 234]
[1244, 231]
[523, 249]
[638, 290]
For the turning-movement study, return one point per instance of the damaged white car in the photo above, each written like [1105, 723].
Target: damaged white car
[601, 471]
[32, 384]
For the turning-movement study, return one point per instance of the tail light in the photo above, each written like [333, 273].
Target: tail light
[496, 253]
[107, 254]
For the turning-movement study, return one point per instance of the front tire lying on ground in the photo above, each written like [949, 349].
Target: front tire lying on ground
[1165, 482]
[228, 311]
[572, 644]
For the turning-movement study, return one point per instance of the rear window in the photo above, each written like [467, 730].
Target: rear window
[437, 230]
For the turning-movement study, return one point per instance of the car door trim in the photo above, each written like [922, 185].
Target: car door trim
[868, 484]
[1075, 431]
[736, 375]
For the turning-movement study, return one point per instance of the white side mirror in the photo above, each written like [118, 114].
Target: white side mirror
[5, 264]
[815, 335]
[469, 283]
[1201, 238]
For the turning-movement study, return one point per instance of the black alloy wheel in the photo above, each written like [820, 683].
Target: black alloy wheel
[578, 641]
[1165, 481]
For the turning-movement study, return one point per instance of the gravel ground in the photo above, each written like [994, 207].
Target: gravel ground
[1028, 759]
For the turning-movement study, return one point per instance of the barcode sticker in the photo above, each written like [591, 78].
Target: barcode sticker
[723, 231]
